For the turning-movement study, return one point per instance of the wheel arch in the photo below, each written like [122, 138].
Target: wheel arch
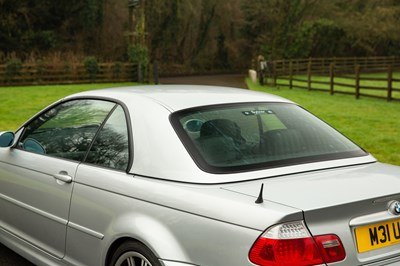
[111, 250]
[150, 232]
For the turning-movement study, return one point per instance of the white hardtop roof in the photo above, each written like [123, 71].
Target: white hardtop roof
[158, 151]
[178, 97]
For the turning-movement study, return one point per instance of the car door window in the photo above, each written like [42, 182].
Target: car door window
[66, 130]
[111, 147]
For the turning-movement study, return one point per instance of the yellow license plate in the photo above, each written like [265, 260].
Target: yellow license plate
[378, 235]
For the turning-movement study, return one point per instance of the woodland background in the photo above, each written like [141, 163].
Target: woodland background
[197, 35]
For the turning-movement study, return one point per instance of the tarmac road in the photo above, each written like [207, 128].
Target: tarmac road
[9, 258]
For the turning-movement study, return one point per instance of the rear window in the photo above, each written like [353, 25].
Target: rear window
[245, 137]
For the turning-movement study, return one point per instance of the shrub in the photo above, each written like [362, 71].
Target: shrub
[139, 55]
[320, 38]
[13, 69]
[92, 67]
[116, 70]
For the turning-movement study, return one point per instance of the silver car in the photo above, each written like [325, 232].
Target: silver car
[191, 175]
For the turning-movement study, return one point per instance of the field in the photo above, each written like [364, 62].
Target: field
[374, 124]
[17, 104]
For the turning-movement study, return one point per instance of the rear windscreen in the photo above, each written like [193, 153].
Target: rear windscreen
[243, 137]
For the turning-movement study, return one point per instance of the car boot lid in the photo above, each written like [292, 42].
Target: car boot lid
[325, 188]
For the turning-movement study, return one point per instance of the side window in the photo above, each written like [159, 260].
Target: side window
[66, 130]
[111, 146]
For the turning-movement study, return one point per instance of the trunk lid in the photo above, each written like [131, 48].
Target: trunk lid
[351, 202]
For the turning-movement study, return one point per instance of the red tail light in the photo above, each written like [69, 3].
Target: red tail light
[331, 248]
[291, 244]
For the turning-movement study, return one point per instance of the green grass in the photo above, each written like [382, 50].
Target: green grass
[374, 124]
[17, 104]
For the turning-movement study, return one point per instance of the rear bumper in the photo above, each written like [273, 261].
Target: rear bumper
[389, 262]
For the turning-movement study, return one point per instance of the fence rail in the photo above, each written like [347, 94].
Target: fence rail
[343, 64]
[30, 74]
[359, 76]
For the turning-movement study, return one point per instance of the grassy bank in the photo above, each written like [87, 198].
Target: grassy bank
[17, 104]
[374, 124]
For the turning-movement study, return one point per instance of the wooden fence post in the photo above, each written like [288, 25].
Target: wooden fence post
[332, 78]
[309, 73]
[357, 69]
[156, 72]
[140, 73]
[274, 74]
[390, 83]
[290, 74]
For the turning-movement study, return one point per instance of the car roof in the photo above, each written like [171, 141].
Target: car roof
[158, 151]
[178, 97]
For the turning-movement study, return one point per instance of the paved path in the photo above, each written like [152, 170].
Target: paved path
[9, 258]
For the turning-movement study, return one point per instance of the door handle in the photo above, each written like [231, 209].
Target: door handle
[63, 176]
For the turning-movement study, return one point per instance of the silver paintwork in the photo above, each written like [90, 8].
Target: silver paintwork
[155, 131]
[60, 212]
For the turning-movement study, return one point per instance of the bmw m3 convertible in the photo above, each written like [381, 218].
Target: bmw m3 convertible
[192, 175]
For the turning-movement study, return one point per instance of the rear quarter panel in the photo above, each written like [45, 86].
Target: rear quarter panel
[203, 225]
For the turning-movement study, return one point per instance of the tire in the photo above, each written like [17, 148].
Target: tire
[132, 253]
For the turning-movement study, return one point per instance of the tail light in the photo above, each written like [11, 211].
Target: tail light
[291, 244]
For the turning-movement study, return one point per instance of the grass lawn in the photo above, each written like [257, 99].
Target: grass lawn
[20, 103]
[374, 124]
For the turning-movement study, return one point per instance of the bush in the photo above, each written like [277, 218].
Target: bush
[45, 39]
[92, 67]
[320, 38]
[116, 70]
[13, 69]
[139, 55]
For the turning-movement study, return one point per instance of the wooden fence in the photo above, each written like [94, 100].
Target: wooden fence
[377, 77]
[31, 74]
